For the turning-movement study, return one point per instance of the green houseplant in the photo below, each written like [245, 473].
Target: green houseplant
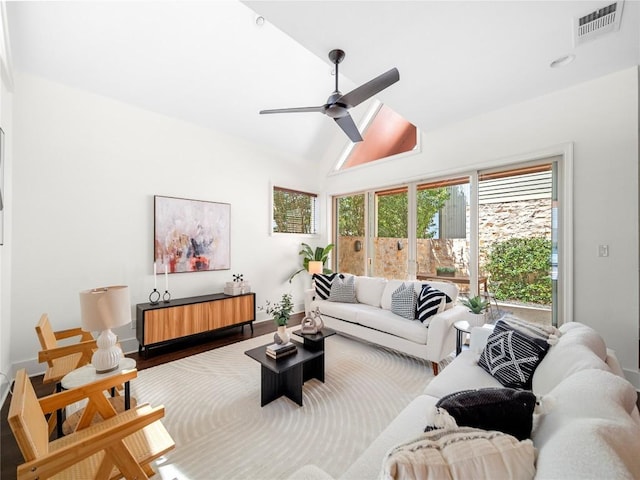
[281, 312]
[446, 271]
[477, 307]
[320, 254]
[475, 304]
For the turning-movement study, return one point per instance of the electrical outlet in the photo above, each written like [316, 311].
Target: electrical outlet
[603, 250]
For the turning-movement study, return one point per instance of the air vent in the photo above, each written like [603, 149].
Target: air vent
[598, 22]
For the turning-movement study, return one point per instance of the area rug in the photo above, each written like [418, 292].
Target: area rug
[213, 412]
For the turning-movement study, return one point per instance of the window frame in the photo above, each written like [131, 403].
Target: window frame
[315, 210]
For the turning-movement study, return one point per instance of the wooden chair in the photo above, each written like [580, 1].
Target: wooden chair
[123, 445]
[62, 359]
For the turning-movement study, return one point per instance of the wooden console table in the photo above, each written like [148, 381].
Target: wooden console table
[460, 280]
[183, 317]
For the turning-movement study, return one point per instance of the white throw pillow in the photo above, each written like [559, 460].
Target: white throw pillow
[369, 290]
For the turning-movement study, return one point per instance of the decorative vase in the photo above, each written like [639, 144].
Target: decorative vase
[281, 336]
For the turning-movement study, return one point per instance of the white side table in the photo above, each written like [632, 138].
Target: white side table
[87, 374]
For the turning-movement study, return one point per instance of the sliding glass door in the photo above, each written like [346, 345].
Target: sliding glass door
[493, 232]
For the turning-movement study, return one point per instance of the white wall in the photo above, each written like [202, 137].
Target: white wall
[6, 82]
[601, 119]
[85, 172]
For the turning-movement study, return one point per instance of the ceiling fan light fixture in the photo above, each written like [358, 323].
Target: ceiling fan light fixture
[563, 61]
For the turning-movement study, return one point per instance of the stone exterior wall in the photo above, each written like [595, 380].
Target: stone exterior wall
[498, 221]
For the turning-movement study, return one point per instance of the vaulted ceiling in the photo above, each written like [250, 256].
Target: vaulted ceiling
[213, 64]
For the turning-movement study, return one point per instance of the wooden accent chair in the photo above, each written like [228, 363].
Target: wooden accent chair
[123, 445]
[62, 359]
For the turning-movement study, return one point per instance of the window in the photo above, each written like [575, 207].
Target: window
[294, 211]
[386, 134]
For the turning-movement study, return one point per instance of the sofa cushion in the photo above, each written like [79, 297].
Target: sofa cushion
[343, 289]
[344, 311]
[430, 302]
[506, 410]
[579, 333]
[389, 322]
[461, 374]
[323, 284]
[369, 290]
[461, 453]
[511, 356]
[593, 412]
[580, 347]
[403, 302]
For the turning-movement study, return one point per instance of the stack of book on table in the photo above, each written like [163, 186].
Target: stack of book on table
[277, 351]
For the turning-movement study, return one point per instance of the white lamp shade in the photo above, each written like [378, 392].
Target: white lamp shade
[315, 267]
[105, 307]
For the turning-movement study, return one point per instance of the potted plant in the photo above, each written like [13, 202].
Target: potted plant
[477, 308]
[281, 312]
[446, 271]
[320, 254]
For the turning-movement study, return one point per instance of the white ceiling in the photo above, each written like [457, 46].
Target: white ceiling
[210, 64]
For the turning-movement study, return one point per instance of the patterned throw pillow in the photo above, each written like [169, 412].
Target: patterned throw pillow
[323, 284]
[403, 301]
[430, 301]
[504, 409]
[343, 289]
[511, 357]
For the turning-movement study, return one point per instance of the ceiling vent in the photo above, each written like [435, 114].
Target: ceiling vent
[598, 22]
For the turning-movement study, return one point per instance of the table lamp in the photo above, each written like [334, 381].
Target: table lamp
[314, 266]
[102, 309]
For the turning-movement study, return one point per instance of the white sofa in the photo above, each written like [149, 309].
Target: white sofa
[372, 320]
[590, 431]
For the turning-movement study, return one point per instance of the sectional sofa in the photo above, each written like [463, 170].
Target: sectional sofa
[369, 316]
[589, 428]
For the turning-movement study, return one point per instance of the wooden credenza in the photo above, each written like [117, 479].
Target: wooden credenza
[183, 317]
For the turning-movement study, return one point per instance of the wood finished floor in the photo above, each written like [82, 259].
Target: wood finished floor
[10, 456]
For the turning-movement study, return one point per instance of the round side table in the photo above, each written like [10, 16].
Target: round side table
[462, 328]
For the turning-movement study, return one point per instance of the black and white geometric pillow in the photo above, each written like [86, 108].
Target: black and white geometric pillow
[343, 289]
[512, 357]
[430, 302]
[403, 301]
[323, 284]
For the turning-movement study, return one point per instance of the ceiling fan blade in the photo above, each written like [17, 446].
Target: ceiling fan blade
[319, 109]
[369, 89]
[347, 124]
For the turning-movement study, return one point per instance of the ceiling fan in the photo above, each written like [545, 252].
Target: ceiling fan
[338, 105]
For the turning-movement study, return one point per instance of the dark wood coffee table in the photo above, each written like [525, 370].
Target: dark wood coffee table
[285, 376]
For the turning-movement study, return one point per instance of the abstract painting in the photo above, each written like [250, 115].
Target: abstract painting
[191, 235]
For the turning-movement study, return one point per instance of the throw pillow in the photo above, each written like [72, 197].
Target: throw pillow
[547, 333]
[504, 409]
[323, 284]
[430, 301]
[461, 453]
[343, 289]
[511, 357]
[403, 302]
